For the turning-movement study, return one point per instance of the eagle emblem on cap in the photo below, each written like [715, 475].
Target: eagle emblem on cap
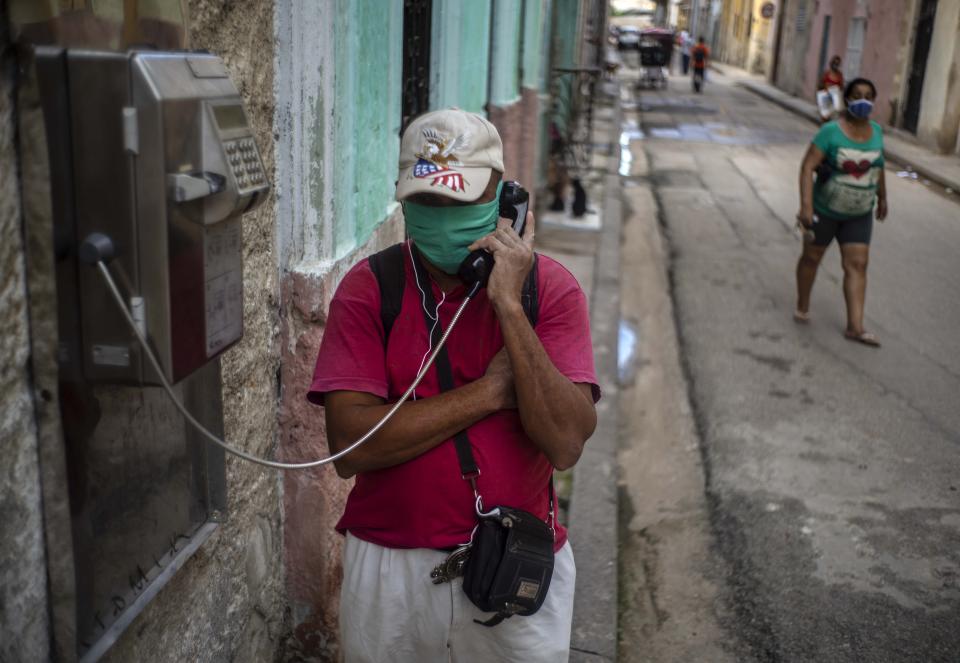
[438, 158]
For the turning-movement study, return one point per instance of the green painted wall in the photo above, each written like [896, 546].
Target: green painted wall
[533, 52]
[366, 117]
[460, 54]
[545, 47]
[543, 82]
[566, 17]
[507, 42]
[563, 54]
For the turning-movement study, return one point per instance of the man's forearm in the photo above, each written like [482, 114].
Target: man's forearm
[555, 413]
[417, 427]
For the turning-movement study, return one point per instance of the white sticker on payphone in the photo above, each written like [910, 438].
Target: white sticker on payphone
[224, 284]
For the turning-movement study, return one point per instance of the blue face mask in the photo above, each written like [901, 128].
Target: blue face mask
[860, 108]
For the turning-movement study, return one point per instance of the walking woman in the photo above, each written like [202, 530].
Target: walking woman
[847, 157]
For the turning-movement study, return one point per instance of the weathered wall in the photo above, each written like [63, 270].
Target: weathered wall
[366, 118]
[337, 121]
[24, 627]
[762, 35]
[505, 109]
[509, 123]
[505, 57]
[227, 603]
[886, 26]
[735, 24]
[940, 104]
[901, 76]
[797, 38]
[879, 62]
[459, 54]
[314, 499]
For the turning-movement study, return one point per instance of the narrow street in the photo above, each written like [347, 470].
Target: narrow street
[829, 527]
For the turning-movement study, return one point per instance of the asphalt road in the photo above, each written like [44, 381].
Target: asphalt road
[831, 470]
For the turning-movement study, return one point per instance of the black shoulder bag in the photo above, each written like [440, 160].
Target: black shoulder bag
[509, 562]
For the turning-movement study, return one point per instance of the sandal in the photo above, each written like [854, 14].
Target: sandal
[801, 317]
[863, 337]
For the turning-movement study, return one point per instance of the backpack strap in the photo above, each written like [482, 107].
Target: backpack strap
[387, 267]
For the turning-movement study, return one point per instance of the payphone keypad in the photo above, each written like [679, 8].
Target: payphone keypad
[245, 163]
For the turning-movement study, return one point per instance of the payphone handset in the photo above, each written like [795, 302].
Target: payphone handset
[476, 268]
[163, 162]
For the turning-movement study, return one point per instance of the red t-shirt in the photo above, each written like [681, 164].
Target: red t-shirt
[424, 502]
[700, 53]
[832, 78]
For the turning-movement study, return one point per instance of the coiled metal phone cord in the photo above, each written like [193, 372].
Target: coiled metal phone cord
[118, 298]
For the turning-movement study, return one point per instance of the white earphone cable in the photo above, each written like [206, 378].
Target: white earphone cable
[423, 304]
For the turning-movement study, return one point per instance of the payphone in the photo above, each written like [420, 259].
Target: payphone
[152, 163]
[162, 164]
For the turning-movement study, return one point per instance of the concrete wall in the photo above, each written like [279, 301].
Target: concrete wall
[537, 82]
[735, 27]
[366, 117]
[505, 108]
[507, 42]
[228, 601]
[24, 625]
[460, 54]
[337, 119]
[940, 103]
[535, 63]
[762, 36]
[797, 39]
[887, 24]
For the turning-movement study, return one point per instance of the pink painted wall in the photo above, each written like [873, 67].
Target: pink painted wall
[313, 500]
[881, 49]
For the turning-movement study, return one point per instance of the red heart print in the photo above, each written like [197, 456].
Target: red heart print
[856, 169]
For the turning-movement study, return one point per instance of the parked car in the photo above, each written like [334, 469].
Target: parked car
[628, 37]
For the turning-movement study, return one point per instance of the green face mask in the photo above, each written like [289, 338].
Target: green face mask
[442, 234]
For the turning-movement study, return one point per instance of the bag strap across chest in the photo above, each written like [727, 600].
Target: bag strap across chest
[388, 268]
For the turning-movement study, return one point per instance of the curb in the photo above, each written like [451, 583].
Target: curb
[891, 152]
[594, 501]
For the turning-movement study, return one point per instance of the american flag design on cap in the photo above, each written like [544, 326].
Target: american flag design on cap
[437, 159]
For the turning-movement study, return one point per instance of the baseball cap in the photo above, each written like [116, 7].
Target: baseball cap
[450, 153]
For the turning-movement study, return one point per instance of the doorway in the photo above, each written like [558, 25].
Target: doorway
[824, 45]
[918, 66]
[856, 36]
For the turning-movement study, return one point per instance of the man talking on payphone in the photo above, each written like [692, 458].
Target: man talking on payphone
[453, 551]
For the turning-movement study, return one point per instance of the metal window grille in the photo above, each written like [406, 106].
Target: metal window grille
[416, 59]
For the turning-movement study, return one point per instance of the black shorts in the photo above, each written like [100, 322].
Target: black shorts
[847, 231]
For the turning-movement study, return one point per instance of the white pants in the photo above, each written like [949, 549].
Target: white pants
[391, 611]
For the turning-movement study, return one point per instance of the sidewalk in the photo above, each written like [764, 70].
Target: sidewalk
[590, 248]
[942, 169]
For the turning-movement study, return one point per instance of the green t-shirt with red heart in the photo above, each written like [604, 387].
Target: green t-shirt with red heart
[851, 188]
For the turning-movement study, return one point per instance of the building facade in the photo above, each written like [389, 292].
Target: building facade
[327, 87]
[908, 48]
